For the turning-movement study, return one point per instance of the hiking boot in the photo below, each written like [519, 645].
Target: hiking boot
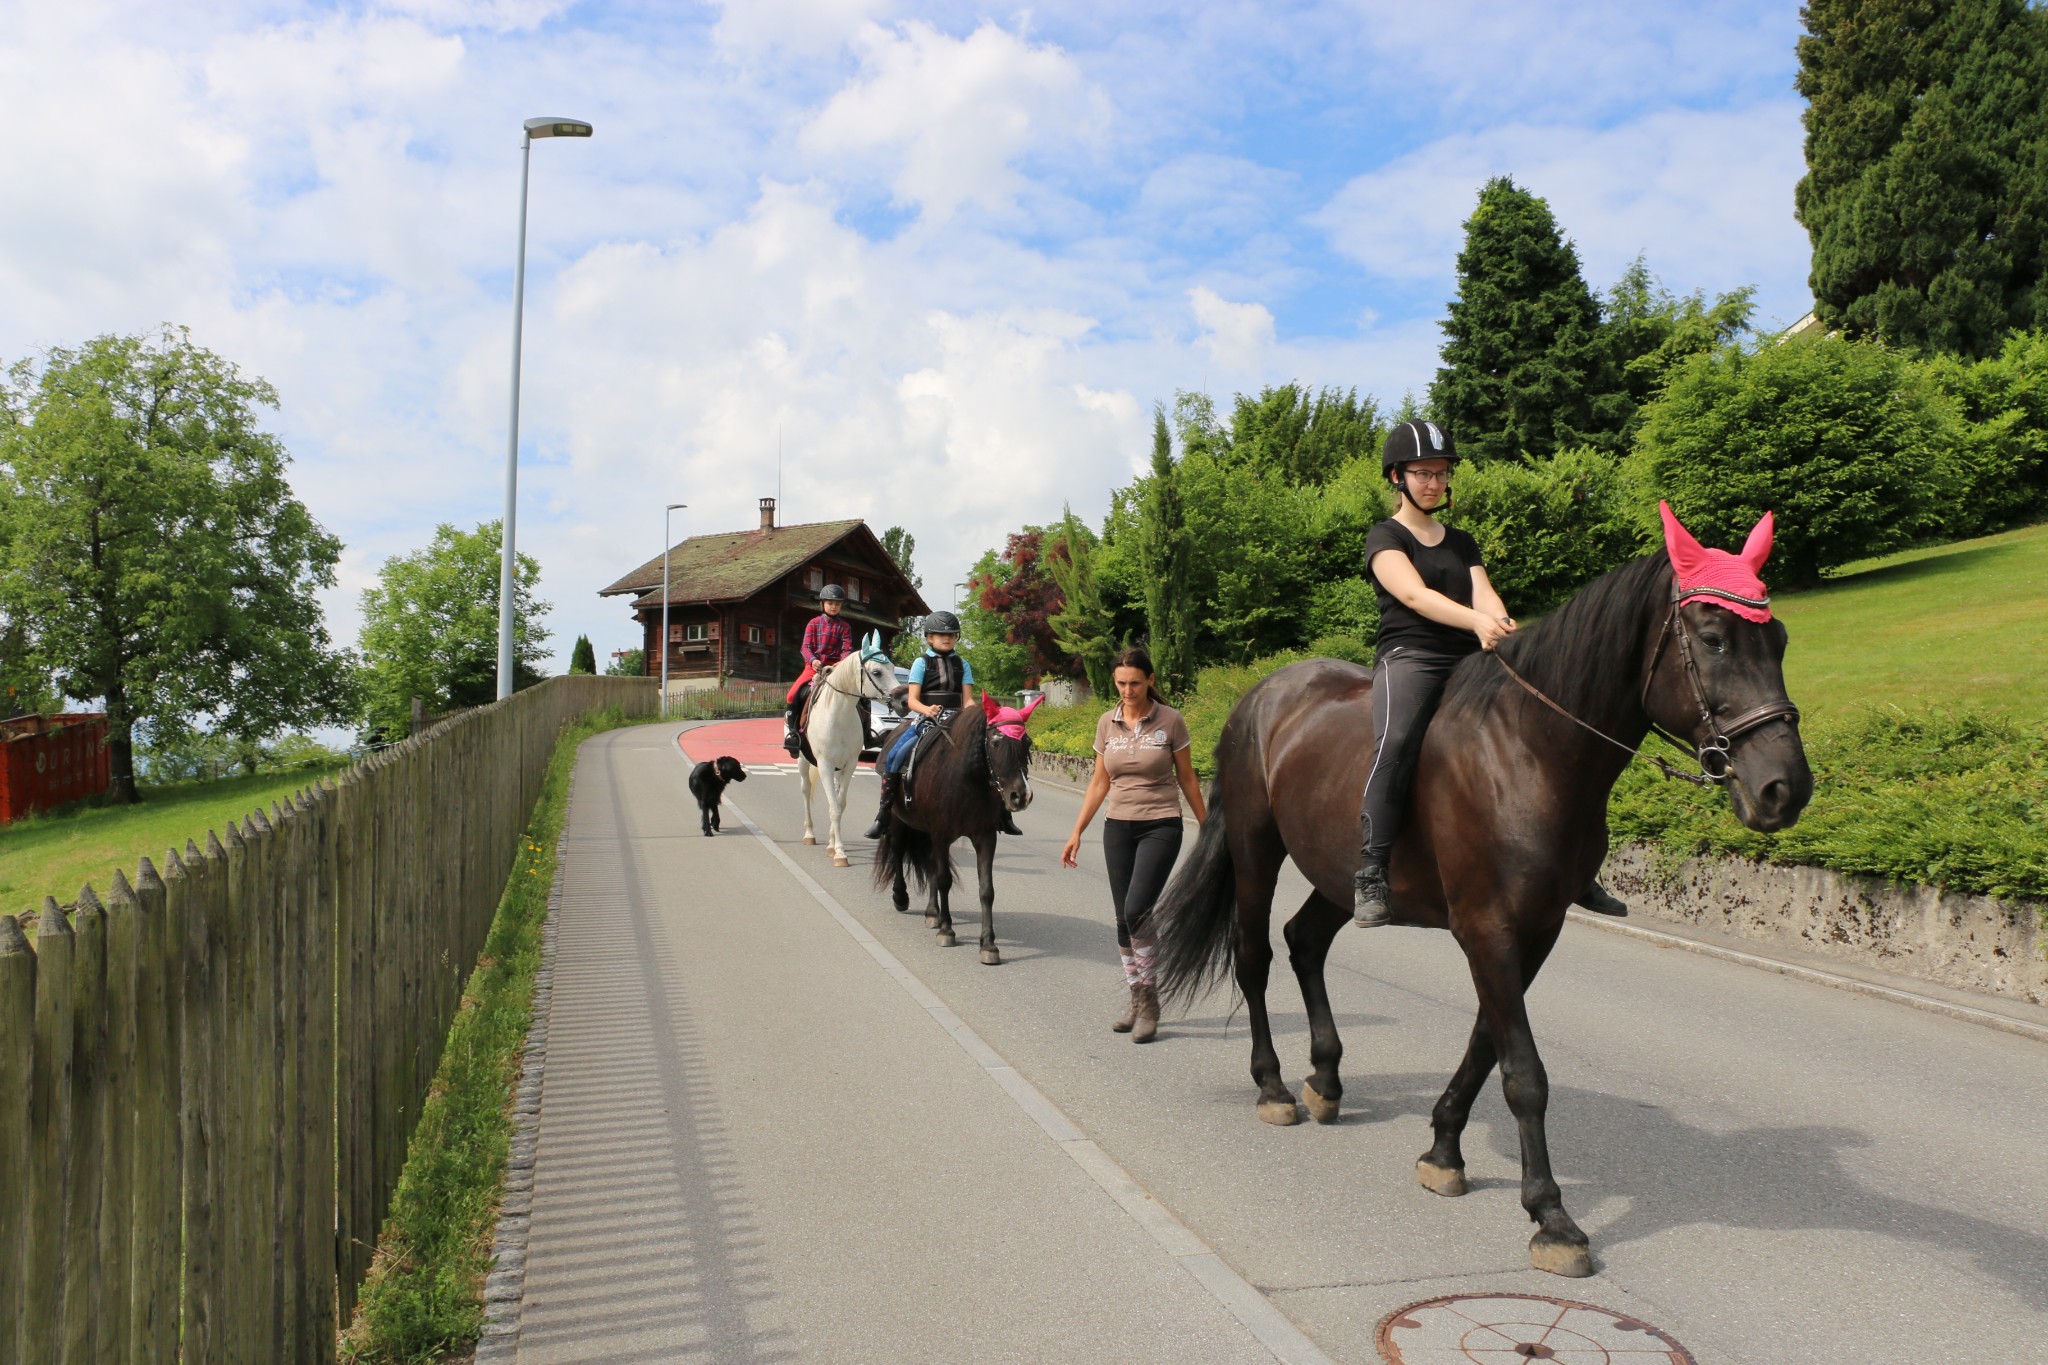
[1145, 1020]
[1123, 1022]
[1004, 824]
[1601, 901]
[1369, 896]
[876, 830]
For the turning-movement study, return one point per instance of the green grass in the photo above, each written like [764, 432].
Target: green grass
[423, 1300]
[54, 854]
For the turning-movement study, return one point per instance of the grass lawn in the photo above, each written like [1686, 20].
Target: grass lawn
[1962, 625]
[55, 854]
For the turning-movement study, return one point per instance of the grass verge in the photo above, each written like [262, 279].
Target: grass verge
[423, 1300]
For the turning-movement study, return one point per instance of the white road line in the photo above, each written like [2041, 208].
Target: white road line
[1267, 1324]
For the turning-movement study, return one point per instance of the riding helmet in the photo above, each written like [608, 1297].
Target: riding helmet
[942, 623]
[1417, 441]
[831, 592]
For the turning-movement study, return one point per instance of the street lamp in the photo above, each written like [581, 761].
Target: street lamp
[535, 127]
[666, 545]
[956, 594]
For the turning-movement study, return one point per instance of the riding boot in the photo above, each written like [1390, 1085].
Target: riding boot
[1004, 823]
[1123, 1022]
[1601, 901]
[790, 742]
[1369, 895]
[889, 783]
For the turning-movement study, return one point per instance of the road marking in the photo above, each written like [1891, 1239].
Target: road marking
[1268, 1325]
[1968, 1014]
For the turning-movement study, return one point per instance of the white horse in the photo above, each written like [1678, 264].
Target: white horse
[833, 732]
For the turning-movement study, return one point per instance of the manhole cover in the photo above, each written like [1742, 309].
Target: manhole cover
[1509, 1329]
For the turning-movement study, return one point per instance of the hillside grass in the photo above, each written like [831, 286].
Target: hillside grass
[1923, 682]
[57, 852]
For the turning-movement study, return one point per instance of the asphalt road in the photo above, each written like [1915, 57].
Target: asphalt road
[757, 1144]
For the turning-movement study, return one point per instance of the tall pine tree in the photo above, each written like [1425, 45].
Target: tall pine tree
[1927, 168]
[1526, 371]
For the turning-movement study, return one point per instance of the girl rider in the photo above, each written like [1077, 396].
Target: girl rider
[827, 640]
[1436, 606]
[939, 683]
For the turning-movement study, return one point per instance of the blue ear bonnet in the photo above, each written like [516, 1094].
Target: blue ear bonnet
[871, 648]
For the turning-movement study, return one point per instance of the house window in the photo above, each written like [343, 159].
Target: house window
[817, 578]
[853, 588]
[695, 632]
[753, 635]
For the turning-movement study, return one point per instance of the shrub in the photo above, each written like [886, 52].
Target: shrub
[1849, 442]
[2001, 461]
[1546, 528]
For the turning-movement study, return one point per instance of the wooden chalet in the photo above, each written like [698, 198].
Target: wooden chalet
[738, 601]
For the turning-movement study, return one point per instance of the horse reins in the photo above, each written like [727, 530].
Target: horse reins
[1713, 753]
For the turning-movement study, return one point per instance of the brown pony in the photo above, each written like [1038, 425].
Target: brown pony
[1507, 822]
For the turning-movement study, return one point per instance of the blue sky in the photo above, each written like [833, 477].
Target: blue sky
[946, 256]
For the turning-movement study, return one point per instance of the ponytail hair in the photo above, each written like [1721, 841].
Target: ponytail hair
[1137, 657]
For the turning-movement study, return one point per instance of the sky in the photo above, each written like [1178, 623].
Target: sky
[938, 262]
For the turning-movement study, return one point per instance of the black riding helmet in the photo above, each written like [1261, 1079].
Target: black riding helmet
[831, 592]
[1413, 441]
[941, 623]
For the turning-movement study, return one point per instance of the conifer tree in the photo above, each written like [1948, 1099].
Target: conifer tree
[1526, 371]
[1165, 558]
[583, 658]
[1927, 168]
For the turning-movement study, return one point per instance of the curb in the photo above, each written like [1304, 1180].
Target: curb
[505, 1285]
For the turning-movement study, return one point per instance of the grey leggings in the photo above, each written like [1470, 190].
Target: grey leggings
[1405, 686]
[1140, 855]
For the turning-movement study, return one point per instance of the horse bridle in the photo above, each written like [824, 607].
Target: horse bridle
[988, 757]
[1714, 752]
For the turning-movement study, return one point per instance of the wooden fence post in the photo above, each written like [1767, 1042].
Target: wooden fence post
[42, 1314]
[17, 1056]
[118, 1170]
[158, 1159]
[88, 1126]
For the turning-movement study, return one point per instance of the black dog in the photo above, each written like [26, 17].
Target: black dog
[707, 784]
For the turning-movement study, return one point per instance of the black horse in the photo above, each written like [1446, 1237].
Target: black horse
[1507, 823]
[966, 776]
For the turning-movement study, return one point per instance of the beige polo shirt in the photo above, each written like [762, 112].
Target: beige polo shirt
[1139, 761]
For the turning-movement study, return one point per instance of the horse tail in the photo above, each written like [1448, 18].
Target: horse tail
[1195, 919]
[902, 849]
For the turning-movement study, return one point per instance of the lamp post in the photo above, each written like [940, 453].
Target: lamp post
[535, 127]
[666, 545]
[956, 595]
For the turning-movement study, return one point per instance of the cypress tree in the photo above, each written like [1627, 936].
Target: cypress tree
[1526, 371]
[1165, 558]
[1927, 168]
[582, 658]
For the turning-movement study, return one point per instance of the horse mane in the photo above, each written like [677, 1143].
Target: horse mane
[1586, 654]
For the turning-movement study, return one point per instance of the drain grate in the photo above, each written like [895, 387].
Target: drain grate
[1510, 1329]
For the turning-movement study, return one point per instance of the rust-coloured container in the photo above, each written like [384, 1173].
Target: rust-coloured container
[46, 761]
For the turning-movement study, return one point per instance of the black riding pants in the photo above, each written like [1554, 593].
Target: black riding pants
[1140, 855]
[1405, 686]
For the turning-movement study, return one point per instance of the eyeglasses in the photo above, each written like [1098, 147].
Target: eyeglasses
[1430, 476]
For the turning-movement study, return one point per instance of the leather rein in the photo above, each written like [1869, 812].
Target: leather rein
[1714, 752]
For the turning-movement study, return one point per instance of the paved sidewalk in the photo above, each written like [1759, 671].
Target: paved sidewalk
[754, 1146]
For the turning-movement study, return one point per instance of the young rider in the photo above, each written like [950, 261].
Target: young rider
[940, 681]
[1436, 606]
[827, 640]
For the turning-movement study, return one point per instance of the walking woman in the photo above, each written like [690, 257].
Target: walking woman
[1142, 770]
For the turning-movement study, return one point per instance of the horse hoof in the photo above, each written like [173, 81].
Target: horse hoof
[903, 909]
[1283, 1113]
[1573, 1260]
[1319, 1109]
[947, 938]
[931, 921]
[991, 958]
[839, 860]
[810, 839]
[1447, 1181]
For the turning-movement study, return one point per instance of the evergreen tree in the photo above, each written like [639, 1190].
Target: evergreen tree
[1082, 625]
[1305, 437]
[1927, 168]
[582, 658]
[1650, 330]
[1526, 371]
[1166, 561]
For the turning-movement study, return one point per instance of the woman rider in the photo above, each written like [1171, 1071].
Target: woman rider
[1436, 606]
[939, 682]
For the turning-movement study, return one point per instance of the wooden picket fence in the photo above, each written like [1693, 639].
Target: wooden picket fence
[208, 1076]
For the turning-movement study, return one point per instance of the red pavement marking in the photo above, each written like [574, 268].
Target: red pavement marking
[749, 741]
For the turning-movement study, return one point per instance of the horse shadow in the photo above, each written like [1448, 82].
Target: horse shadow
[1669, 1174]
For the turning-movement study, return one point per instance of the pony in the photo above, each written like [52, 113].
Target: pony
[708, 781]
[833, 735]
[979, 765]
[1507, 820]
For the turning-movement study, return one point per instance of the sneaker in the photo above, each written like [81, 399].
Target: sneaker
[1369, 897]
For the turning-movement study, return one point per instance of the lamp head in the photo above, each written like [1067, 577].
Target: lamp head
[557, 127]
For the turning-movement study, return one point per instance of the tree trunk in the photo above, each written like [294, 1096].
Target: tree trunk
[120, 744]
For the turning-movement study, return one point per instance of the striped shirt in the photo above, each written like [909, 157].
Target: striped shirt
[827, 640]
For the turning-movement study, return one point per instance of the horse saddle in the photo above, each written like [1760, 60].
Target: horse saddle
[927, 735]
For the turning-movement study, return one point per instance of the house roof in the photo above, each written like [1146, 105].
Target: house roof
[730, 566]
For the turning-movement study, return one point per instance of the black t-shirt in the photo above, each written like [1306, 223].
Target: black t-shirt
[1446, 566]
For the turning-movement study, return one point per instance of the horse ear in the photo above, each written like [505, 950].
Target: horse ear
[1032, 705]
[1686, 554]
[988, 706]
[1757, 549]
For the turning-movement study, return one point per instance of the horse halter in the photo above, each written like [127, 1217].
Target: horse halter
[1714, 751]
[988, 756]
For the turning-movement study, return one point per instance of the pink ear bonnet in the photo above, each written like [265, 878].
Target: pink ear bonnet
[1716, 576]
[1008, 720]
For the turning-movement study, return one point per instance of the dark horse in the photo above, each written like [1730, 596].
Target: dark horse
[979, 764]
[1507, 822]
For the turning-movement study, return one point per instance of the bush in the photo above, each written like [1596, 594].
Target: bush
[1549, 527]
[2001, 462]
[1850, 443]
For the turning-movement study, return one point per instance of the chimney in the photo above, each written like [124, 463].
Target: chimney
[767, 514]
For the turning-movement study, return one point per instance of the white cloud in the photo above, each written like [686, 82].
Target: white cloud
[1238, 336]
